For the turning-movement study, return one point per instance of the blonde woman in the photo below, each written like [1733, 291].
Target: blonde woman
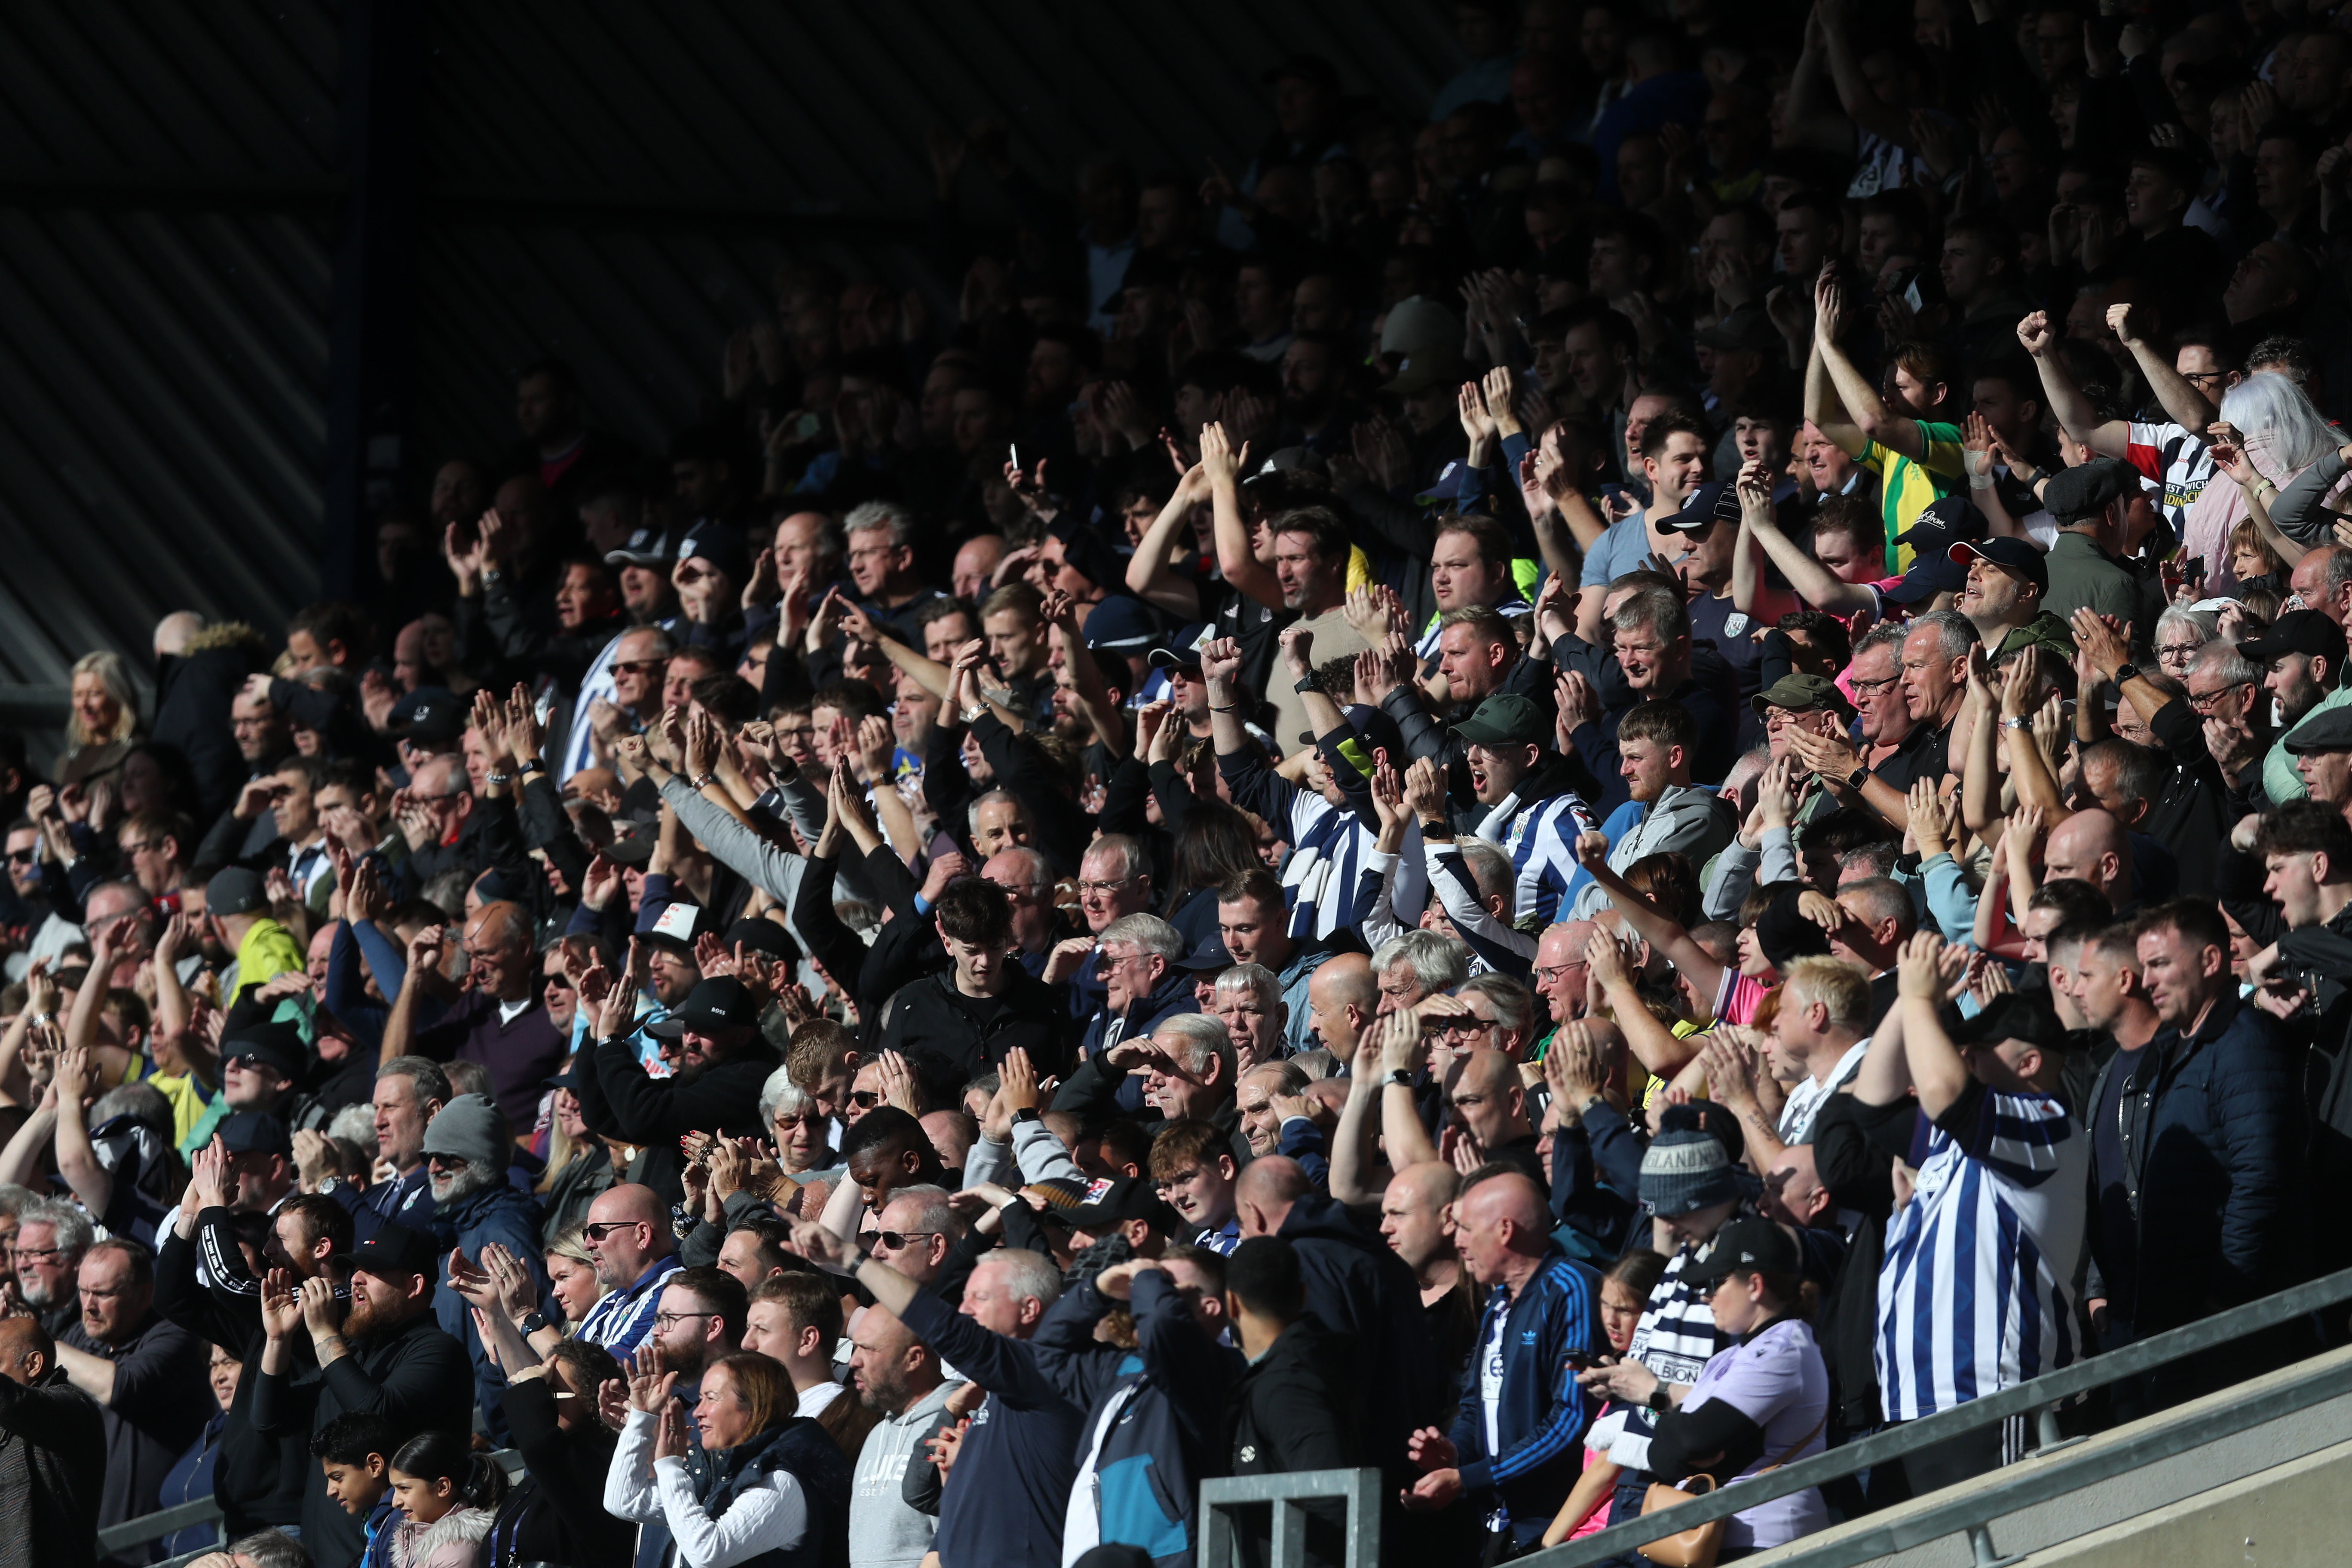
[102, 722]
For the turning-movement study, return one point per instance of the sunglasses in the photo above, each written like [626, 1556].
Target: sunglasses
[898, 1240]
[599, 1230]
[641, 666]
[21, 856]
[864, 1099]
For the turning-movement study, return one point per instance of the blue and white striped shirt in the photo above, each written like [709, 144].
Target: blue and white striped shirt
[1975, 1290]
[1540, 838]
[621, 1319]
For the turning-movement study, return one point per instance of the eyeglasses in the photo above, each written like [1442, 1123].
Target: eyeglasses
[449, 1163]
[1876, 686]
[37, 1254]
[600, 1229]
[897, 1240]
[2176, 652]
[1104, 889]
[2203, 701]
[864, 1099]
[666, 1321]
[641, 666]
[2200, 377]
[1546, 973]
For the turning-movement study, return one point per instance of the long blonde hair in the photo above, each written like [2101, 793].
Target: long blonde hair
[111, 669]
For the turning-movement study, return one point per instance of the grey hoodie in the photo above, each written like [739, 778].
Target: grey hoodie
[884, 1532]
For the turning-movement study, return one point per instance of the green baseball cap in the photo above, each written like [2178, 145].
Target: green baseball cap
[1506, 720]
[1801, 694]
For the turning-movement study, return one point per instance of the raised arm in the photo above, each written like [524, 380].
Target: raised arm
[2076, 416]
[1933, 1063]
[1815, 582]
[1822, 409]
[1871, 418]
[2188, 407]
[1151, 573]
[1661, 931]
[1236, 560]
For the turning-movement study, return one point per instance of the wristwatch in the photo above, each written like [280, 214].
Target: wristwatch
[2127, 672]
[1658, 1400]
[1028, 1113]
[971, 714]
[1306, 685]
[1401, 1079]
[2015, 723]
[1858, 777]
[327, 1186]
[532, 1322]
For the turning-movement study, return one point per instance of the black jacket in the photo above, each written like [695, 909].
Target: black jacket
[556, 1512]
[966, 1035]
[52, 1464]
[258, 1480]
[1861, 1181]
[1362, 1292]
[1296, 1407]
[415, 1376]
[192, 694]
[2212, 1135]
[619, 1100]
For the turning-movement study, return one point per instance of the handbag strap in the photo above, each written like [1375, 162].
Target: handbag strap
[1798, 1444]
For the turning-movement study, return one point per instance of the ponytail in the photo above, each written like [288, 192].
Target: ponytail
[478, 1480]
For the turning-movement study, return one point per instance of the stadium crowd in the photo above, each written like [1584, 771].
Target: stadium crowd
[1609, 786]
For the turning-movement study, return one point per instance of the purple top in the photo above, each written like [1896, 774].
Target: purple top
[1778, 1380]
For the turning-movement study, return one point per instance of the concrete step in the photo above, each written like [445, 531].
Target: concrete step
[2281, 1452]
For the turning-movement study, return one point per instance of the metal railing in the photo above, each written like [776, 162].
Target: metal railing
[2076, 1462]
[1290, 1494]
[1972, 1513]
[205, 1511]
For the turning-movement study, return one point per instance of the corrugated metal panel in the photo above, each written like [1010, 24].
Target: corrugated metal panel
[162, 312]
[622, 199]
[611, 180]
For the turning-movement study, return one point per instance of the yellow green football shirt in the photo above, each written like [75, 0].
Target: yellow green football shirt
[1906, 487]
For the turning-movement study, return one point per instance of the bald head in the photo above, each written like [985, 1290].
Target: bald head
[1268, 1189]
[1428, 1185]
[1793, 1192]
[1483, 1088]
[628, 1230]
[175, 631]
[2092, 846]
[1510, 1196]
[1341, 997]
[25, 1350]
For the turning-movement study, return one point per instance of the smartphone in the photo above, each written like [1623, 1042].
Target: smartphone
[1912, 297]
[1579, 1361]
[2194, 570]
[1012, 451]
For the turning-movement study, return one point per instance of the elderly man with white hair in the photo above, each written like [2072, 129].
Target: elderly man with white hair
[1136, 958]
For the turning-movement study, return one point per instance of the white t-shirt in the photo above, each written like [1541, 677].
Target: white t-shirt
[1490, 1379]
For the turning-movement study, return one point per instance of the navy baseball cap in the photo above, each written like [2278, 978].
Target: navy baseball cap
[1121, 625]
[2015, 556]
[1929, 575]
[1711, 503]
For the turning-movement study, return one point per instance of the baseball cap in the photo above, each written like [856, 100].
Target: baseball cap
[1930, 574]
[277, 1046]
[1435, 364]
[1183, 651]
[676, 921]
[254, 1132]
[235, 891]
[1120, 625]
[1418, 322]
[1944, 522]
[720, 546]
[644, 547]
[761, 936]
[430, 716]
[1114, 1200]
[1208, 956]
[1747, 1244]
[1505, 719]
[1801, 694]
[2298, 631]
[2083, 492]
[1711, 503]
[2014, 556]
[395, 1249]
[1290, 459]
[722, 1001]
